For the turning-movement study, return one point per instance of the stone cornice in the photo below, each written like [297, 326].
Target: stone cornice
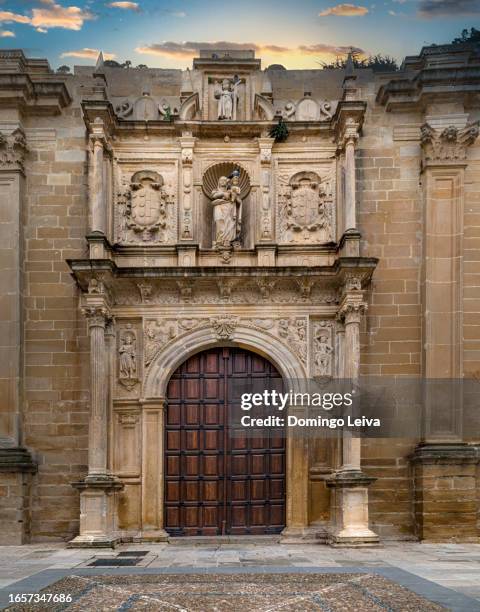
[33, 95]
[84, 269]
[346, 112]
[439, 73]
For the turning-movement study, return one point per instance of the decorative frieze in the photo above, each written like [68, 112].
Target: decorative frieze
[223, 290]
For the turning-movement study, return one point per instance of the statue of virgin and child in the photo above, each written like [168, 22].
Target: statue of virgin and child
[227, 211]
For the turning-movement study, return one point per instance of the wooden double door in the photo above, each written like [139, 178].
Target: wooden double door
[219, 479]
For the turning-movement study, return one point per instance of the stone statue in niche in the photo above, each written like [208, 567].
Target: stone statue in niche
[227, 95]
[227, 212]
[127, 358]
[304, 214]
[322, 349]
[146, 212]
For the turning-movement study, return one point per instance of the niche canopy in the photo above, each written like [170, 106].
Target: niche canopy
[213, 173]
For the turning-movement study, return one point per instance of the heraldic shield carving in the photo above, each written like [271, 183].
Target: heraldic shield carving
[147, 210]
[304, 203]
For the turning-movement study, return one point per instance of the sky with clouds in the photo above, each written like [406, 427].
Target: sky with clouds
[297, 34]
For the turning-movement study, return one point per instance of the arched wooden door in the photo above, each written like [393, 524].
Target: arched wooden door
[216, 482]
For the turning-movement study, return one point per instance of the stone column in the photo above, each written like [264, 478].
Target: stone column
[97, 188]
[350, 138]
[16, 464]
[97, 432]
[350, 500]
[98, 489]
[153, 479]
[297, 476]
[444, 466]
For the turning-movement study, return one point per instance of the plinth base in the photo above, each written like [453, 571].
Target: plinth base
[350, 510]
[97, 512]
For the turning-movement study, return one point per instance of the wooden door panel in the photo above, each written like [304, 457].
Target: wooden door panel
[216, 480]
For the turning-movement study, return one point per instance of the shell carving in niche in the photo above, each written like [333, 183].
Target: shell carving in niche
[213, 174]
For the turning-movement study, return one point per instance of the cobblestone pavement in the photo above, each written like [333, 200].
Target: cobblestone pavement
[454, 566]
[247, 592]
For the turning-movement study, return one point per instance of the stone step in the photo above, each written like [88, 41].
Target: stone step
[225, 539]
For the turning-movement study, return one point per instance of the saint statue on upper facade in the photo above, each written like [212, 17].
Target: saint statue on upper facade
[227, 96]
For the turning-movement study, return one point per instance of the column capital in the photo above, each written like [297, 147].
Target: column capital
[97, 315]
[187, 144]
[352, 309]
[265, 145]
[13, 148]
[350, 133]
[98, 137]
[447, 146]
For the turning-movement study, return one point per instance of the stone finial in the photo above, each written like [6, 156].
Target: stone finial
[349, 65]
[100, 62]
[349, 80]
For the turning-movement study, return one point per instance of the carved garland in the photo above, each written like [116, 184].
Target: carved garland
[159, 333]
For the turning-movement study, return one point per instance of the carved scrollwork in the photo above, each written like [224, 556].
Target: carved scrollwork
[159, 333]
[224, 326]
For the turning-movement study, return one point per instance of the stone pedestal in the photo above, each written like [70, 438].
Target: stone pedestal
[97, 512]
[350, 510]
[445, 492]
[16, 469]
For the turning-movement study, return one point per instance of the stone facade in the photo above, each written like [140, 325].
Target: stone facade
[150, 214]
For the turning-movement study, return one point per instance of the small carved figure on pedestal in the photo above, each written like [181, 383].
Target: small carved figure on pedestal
[128, 375]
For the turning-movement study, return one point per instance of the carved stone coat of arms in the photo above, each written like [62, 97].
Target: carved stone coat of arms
[147, 212]
[305, 215]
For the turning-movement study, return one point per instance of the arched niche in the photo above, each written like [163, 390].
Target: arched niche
[210, 179]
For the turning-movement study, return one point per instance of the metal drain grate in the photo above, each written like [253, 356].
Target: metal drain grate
[115, 561]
